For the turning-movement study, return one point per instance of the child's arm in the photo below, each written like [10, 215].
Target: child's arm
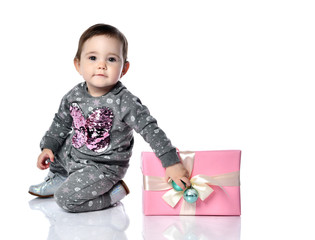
[178, 173]
[45, 158]
[59, 128]
[137, 116]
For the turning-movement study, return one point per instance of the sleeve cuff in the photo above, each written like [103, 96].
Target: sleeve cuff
[170, 158]
[50, 143]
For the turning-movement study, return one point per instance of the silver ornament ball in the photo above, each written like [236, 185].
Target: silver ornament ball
[191, 195]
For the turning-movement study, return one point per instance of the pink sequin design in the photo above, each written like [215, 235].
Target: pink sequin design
[93, 131]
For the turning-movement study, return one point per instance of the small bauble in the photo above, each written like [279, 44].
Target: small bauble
[191, 195]
[176, 187]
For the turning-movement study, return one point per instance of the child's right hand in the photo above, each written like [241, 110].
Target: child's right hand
[42, 162]
[179, 174]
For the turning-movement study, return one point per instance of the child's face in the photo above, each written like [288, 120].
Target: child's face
[102, 64]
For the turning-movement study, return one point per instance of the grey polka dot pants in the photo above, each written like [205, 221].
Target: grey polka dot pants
[87, 189]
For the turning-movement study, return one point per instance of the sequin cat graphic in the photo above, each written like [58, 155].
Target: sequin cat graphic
[92, 131]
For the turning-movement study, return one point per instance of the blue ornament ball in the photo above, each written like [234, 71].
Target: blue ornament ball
[191, 195]
[176, 187]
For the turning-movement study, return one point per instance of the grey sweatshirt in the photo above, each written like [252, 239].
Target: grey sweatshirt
[101, 128]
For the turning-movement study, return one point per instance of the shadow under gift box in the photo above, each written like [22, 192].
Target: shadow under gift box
[224, 200]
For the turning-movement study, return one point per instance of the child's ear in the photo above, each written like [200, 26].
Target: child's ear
[125, 69]
[77, 65]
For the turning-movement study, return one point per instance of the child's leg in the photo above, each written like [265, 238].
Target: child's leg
[61, 163]
[87, 189]
[57, 167]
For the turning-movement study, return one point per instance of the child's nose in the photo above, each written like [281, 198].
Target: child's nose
[102, 65]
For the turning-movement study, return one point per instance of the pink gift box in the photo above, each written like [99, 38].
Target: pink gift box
[224, 200]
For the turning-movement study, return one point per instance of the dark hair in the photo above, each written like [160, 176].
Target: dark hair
[102, 29]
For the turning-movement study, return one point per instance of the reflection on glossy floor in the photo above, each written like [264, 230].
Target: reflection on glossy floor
[107, 224]
[191, 227]
[112, 223]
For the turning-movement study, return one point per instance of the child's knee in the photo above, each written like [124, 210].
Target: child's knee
[63, 199]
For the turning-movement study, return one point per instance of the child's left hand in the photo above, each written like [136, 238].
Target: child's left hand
[178, 172]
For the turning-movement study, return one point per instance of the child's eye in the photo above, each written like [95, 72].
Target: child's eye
[111, 59]
[93, 58]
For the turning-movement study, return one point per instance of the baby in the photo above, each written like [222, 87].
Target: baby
[89, 143]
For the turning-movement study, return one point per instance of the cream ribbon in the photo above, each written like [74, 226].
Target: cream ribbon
[199, 182]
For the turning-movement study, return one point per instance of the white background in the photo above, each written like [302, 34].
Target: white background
[216, 75]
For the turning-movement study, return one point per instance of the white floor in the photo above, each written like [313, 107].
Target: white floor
[115, 223]
[27, 217]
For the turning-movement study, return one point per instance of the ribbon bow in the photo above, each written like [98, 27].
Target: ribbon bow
[199, 182]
